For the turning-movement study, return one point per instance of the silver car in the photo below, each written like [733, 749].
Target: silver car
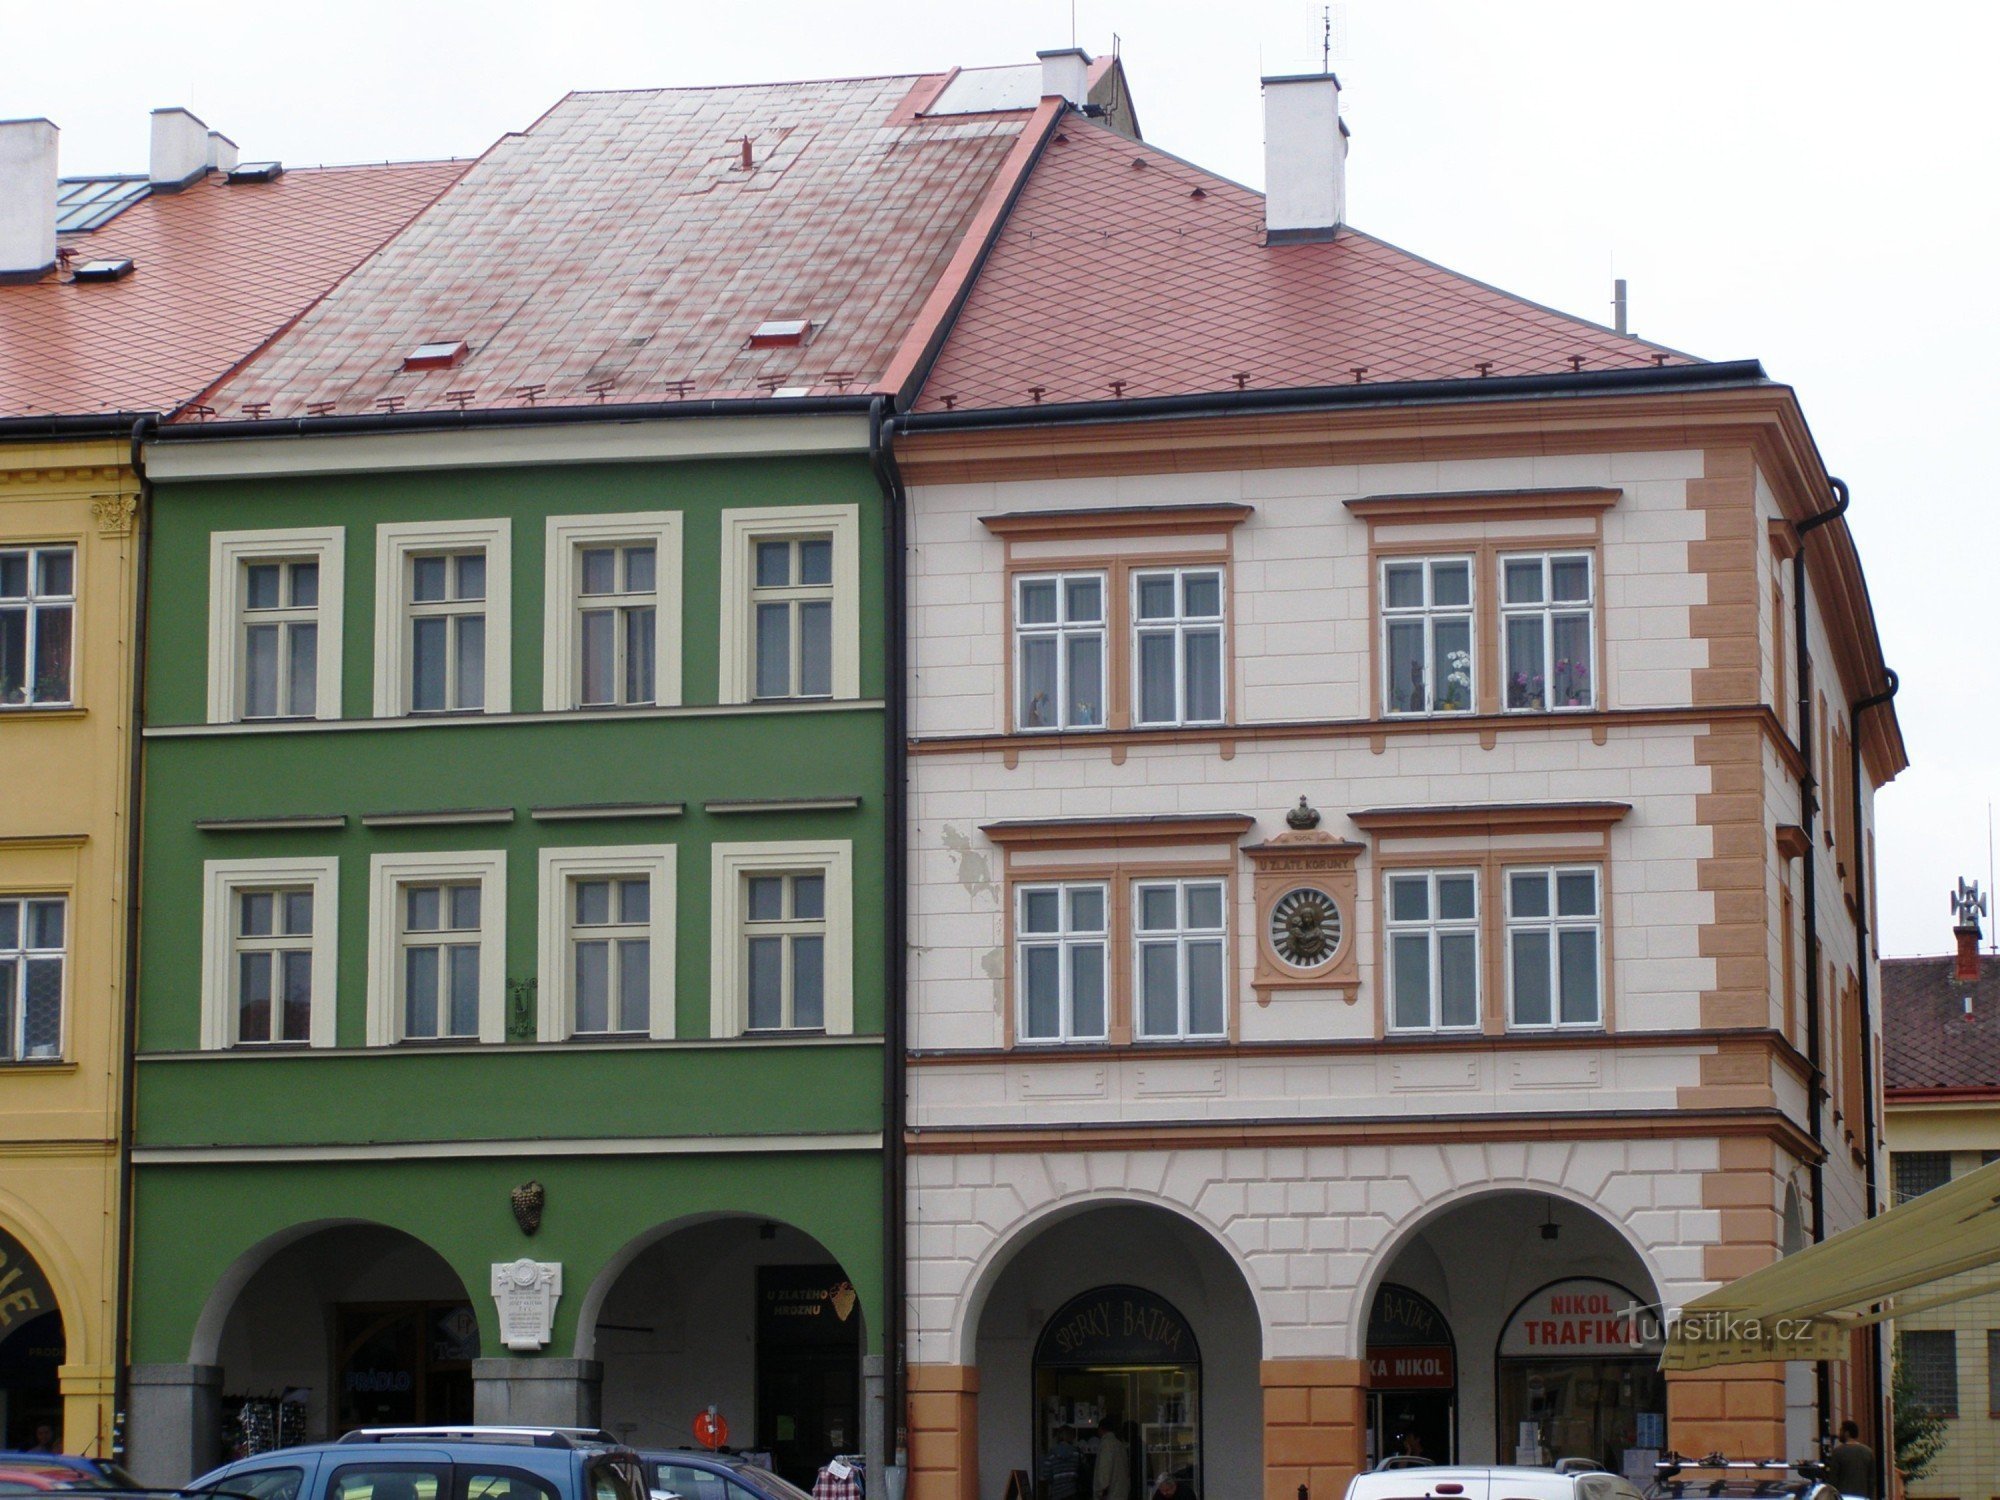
[1497, 1482]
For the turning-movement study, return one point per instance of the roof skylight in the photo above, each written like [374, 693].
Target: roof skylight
[103, 270]
[780, 333]
[86, 202]
[255, 171]
[442, 355]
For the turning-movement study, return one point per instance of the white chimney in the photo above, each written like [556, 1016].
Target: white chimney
[222, 155]
[27, 199]
[1067, 74]
[1305, 158]
[180, 149]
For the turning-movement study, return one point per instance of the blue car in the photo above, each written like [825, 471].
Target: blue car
[692, 1474]
[439, 1463]
[92, 1473]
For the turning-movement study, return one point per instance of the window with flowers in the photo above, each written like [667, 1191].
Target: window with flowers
[1548, 614]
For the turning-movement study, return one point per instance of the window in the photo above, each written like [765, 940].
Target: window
[1180, 941]
[443, 601]
[37, 626]
[781, 955]
[483, 1482]
[1930, 1360]
[262, 1484]
[273, 968]
[607, 942]
[269, 942]
[1177, 646]
[390, 1481]
[1060, 942]
[280, 625]
[437, 947]
[32, 950]
[1917, 1172]
[1059, 651]
[1427, 636]
[1547, 620]
[1993, 1372]
[1554, 940]
[612, 628]
[1433, 942]
[791, 603]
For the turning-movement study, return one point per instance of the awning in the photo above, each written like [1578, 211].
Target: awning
[1804, 1306]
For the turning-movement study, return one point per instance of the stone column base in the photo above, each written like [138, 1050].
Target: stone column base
[174, 1427]
[1315, 1426]
[536, 1392]
[1738, 1410]
[87, 1394]
[944, 1432]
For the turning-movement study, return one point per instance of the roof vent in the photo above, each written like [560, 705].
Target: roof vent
[437, 356]
[103, 270]
[780, 333]
[256, 171]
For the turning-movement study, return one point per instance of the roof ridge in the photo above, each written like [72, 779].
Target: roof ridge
[768, 83]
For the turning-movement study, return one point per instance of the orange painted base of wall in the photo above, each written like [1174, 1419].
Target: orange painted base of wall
[1739, 1411]
[1315, 1426]
[944, 1432]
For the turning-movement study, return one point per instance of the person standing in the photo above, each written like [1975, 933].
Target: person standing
[1062, 1468]
[1850, 1466]
[1111, 1479]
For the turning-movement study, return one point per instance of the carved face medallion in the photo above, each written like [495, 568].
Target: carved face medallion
[1305, 927]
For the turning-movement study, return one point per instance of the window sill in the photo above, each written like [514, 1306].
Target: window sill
[38, 1065]
[42, 711]
[421, 1048]
[774, 707]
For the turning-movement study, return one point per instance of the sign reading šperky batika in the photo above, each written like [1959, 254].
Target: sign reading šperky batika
[1117, 1325]
[1583, 1316]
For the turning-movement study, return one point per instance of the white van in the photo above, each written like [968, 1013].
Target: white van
[1463, 1482]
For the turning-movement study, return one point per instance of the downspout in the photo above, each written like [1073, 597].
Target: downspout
[1808, 805]
[142, 541]
[1883, 1434]
[895, 697]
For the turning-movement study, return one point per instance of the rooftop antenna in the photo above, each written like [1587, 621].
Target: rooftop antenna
[1992, 938]
[1968, 903]
[1072, 22]
[1326, 39]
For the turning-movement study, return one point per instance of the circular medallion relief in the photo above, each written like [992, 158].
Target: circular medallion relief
[1305, 927]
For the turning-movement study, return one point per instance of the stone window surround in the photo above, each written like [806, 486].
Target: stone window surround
[228, 552]
[568, 535]
[221, 880]
[387, 875]
[1119, 855]
[1487, 526]
[558, 867]
[730, 865]
[1118, 542]
[742, 528]
[395, 542]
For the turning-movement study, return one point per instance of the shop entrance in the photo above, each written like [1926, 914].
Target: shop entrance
[1579, 1377]
[31, 1350]
[1127, 1354]
[808, 1368]
[400, 1364]
[1412, 1378]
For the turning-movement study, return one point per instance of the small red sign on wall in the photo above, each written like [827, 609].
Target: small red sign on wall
[1415, 1367]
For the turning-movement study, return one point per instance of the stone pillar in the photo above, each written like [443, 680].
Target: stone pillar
[87, 1394]
[1738, 1410]
[1315, 1426]
[174, 1432]
[537, 1392]
[944, 1432]
[873, 1435]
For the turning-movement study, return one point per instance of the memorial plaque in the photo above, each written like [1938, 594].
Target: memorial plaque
[526, 1293]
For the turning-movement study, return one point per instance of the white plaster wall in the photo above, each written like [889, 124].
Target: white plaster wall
[1302, 622]
[1311, 1228]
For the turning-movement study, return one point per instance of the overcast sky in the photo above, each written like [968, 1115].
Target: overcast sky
[1809, 185]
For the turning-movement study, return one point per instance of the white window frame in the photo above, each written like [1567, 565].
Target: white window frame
[1062, 632]
[33, 604]
[1181, 936]
[1553, 925]
[731, 864]
[222, 879]
[228, 553]
[555, 1019]
[742, 529]
[1432, 927]
[1180, 627]
[20, 953]
[394, 544]
[1547, 609]
[1065, 940]
[561, 643]
[1429, 613]
[387, 875]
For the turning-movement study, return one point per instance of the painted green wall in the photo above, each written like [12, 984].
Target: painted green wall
[193, 1221]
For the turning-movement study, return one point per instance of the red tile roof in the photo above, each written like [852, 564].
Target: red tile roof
[219, 269]
[1123, 264]
[619, 251]
[1928, 1040]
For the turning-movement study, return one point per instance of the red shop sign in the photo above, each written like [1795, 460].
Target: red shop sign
[1413, 1367]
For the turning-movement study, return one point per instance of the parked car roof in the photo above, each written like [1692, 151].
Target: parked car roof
[1489, 1482]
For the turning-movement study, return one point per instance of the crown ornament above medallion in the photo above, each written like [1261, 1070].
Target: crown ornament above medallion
[1302, 817]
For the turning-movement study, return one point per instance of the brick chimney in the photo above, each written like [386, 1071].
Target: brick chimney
[1965, 969]
[1305, 158]
[27, 199]
[1066, 74]
[181, 150]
